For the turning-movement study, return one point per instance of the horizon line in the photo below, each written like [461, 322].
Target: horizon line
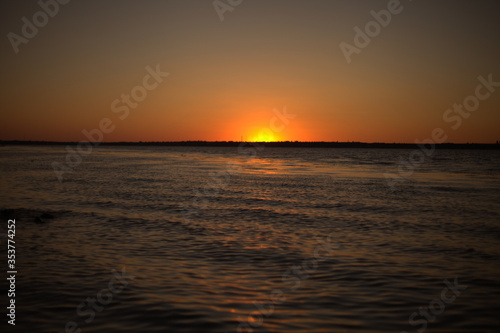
[233, 142]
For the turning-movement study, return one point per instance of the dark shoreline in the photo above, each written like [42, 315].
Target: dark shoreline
[280, 144]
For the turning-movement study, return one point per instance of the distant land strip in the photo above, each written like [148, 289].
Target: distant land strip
[274, 144]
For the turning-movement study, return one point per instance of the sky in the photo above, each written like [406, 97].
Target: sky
[249, 69]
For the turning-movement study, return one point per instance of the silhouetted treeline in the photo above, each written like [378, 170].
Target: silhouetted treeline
[293, 144]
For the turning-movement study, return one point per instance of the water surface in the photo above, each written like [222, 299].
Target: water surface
[207, 232]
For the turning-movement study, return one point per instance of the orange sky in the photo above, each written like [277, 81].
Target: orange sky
[226, 78]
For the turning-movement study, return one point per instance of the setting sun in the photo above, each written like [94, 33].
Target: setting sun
[264, 135]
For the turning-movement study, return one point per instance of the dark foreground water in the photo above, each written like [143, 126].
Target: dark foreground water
[169, 239]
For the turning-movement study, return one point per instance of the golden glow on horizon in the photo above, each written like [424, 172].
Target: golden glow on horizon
[265, 135]
[261, 124]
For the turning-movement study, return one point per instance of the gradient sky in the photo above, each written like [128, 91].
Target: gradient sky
[227, 77]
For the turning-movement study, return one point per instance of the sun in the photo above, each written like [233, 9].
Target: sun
[264, 135]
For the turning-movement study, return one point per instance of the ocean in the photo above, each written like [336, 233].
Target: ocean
[221, 239]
